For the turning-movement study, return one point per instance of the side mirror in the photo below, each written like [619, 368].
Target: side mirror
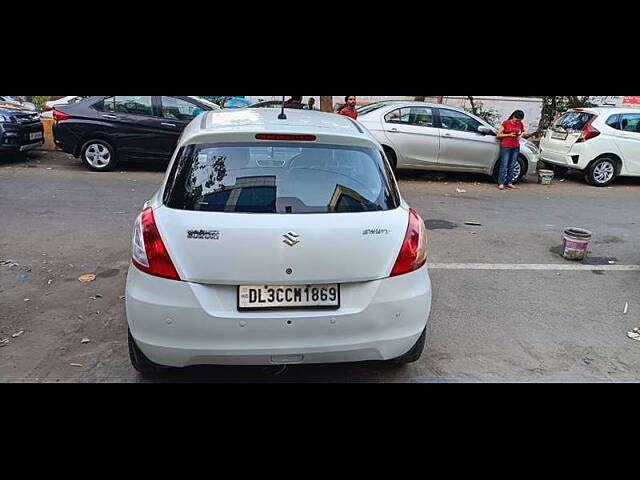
[484, 130]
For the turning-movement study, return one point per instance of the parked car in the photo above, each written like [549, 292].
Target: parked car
[267, 104]
[420, 135]
[275, 242]
[18, 101]
[274, 104]
[103, 130]
[20, 128]
[63, 101]
[602, 142]
[236, 102]
[339, 105]
[49, 106]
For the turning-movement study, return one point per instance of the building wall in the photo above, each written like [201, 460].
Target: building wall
[504, 106]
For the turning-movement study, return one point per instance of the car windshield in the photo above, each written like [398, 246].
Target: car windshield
[206, 102]
[572, 120]
[280, 178]
[370, 108]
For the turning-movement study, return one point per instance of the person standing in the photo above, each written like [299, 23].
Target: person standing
[294, 102]
[349, 108]
[509, 134]
[310, 103]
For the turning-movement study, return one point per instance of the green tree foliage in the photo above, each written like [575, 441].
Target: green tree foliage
[554, 106]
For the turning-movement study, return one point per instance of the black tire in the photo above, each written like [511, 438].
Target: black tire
[414, 352]
[98, 146]
[594, 174]
[521, 162]
[139, 360]
[393, 159]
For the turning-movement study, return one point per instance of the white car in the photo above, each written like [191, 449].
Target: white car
[62, 101]
[276, 242]
[435, 136]
[18, 101]
[602, 142]
[51, 104]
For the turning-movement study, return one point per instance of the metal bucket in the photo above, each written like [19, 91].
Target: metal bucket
[575, 243]
[545, 176]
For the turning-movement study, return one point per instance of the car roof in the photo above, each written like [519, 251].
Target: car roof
[415, 103]
[606, 110]
[245, 122]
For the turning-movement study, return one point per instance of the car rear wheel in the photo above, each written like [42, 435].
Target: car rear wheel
[98, 155]
[601, 172]
[139, 360]
[414, 353]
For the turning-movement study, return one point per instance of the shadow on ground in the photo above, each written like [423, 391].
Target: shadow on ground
[339, 373]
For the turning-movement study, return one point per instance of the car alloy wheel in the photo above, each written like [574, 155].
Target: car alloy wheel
[603, 172]
[97, 155]
[517, 170]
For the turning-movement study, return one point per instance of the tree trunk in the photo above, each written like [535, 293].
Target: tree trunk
[326, 104]
[473, 105]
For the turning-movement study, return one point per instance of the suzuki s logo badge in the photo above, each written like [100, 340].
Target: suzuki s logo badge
[291, 238]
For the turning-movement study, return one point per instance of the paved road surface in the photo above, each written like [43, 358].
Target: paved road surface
[59, 221]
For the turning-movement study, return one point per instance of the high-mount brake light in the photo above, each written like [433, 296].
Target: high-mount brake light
[285, 136]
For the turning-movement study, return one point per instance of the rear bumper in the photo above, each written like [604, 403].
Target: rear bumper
[181, 323]
[63, 139]
[561, 159]
[578, 157]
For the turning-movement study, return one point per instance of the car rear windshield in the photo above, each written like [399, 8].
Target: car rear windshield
[573, 120]
[280, 178]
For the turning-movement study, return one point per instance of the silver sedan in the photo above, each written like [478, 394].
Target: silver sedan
[433, 136]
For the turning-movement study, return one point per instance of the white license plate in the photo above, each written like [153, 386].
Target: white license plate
[252, 297]
[559, 135]
[35, 135]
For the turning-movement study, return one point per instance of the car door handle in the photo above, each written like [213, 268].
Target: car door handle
[168, 124]
[446, 134]
[395, 130]
[110, 116]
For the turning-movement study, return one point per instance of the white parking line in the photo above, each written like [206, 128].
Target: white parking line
[530, 266]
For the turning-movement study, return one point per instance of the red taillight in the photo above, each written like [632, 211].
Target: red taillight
[48, 108]
[588, 132]
[149, 252]
[285, 136]
[413, 253]
[58, 115]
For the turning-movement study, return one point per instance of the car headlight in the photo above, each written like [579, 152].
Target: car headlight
[5, 118]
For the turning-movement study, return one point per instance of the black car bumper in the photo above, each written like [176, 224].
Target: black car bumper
[64, 139]
[19, 137]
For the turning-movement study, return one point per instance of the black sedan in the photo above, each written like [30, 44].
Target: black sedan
[103, 131]
[20, 129]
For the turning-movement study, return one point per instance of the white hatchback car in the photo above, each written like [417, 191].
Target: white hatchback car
[603, 142]
[276, 241]
[440, 137]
